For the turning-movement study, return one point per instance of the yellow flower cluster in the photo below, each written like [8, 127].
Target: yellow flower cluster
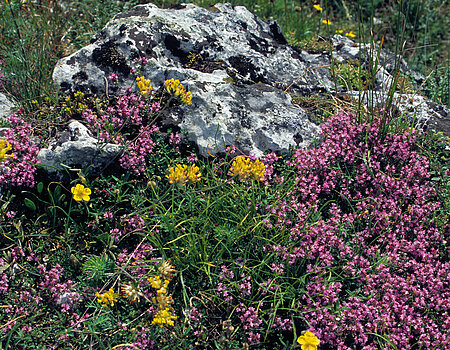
[164, 301]
[174, 87]
[5, 147]
[308, 341]
[144, 86]
[350, 33]
[81, 193]
[246, 168]
[75, 105]
[317, 7]
[108, 298]
[163, 317]
[181, 174]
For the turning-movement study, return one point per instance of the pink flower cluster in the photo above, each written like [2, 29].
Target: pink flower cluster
[125, 124]
[19, 170]
[361, 224]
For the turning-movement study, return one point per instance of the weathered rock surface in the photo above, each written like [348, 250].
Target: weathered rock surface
[426, 114]
[229, 59]
[78, 149]
[7, 107]
[231, 62]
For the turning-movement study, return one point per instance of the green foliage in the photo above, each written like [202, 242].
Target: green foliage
[98, 268]
[437, 86]
[352, 76]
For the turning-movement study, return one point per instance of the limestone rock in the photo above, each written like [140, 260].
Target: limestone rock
[424, 113]
[230, 60]
[7, 107]
[75, 147]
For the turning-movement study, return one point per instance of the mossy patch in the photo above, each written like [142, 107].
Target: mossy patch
[313, 45]
[352, 75]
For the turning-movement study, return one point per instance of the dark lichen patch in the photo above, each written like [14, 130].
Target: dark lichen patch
[199, 62]
[138, 11]
[244, 71]
[142, 40]
[260, 45]
[298, 139]
[108, 56]
[173, 45]
[177, 7]
[80, 77]
[277, 34]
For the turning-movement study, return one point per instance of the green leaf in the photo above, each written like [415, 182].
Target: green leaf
[40, 187]
[29, 204]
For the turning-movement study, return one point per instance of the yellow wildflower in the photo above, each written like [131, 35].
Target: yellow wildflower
[325, 21]
[175, 88]
[155, 282]
[308, 341]
[193, 174]
[5, 147]
[164, 317]
[317, 7]
[162, 300]
[80, 193]
[350, 34]
[144, 85]
[187, 98]
[258, 170]
[177, 175]
[163, 288]
[340, 31]
[181, 173]
[246, 168]
[240, 167]
[107, 298]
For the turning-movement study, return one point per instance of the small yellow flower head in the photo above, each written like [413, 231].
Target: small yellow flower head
[131, 293]
[240, 167]
[164, 317]
[163, 288]
[81, 193]
[155, 282]
[187, 98]
[108, 298]
[181, 174]
[350, 34]
[258, 170]
[325, 21]
[193, 174]
[317, 7]
[144, 86]
[174, 87]
[246, 168]
[340, 31]
[178, 175]
[5, 147]
[308, 341]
